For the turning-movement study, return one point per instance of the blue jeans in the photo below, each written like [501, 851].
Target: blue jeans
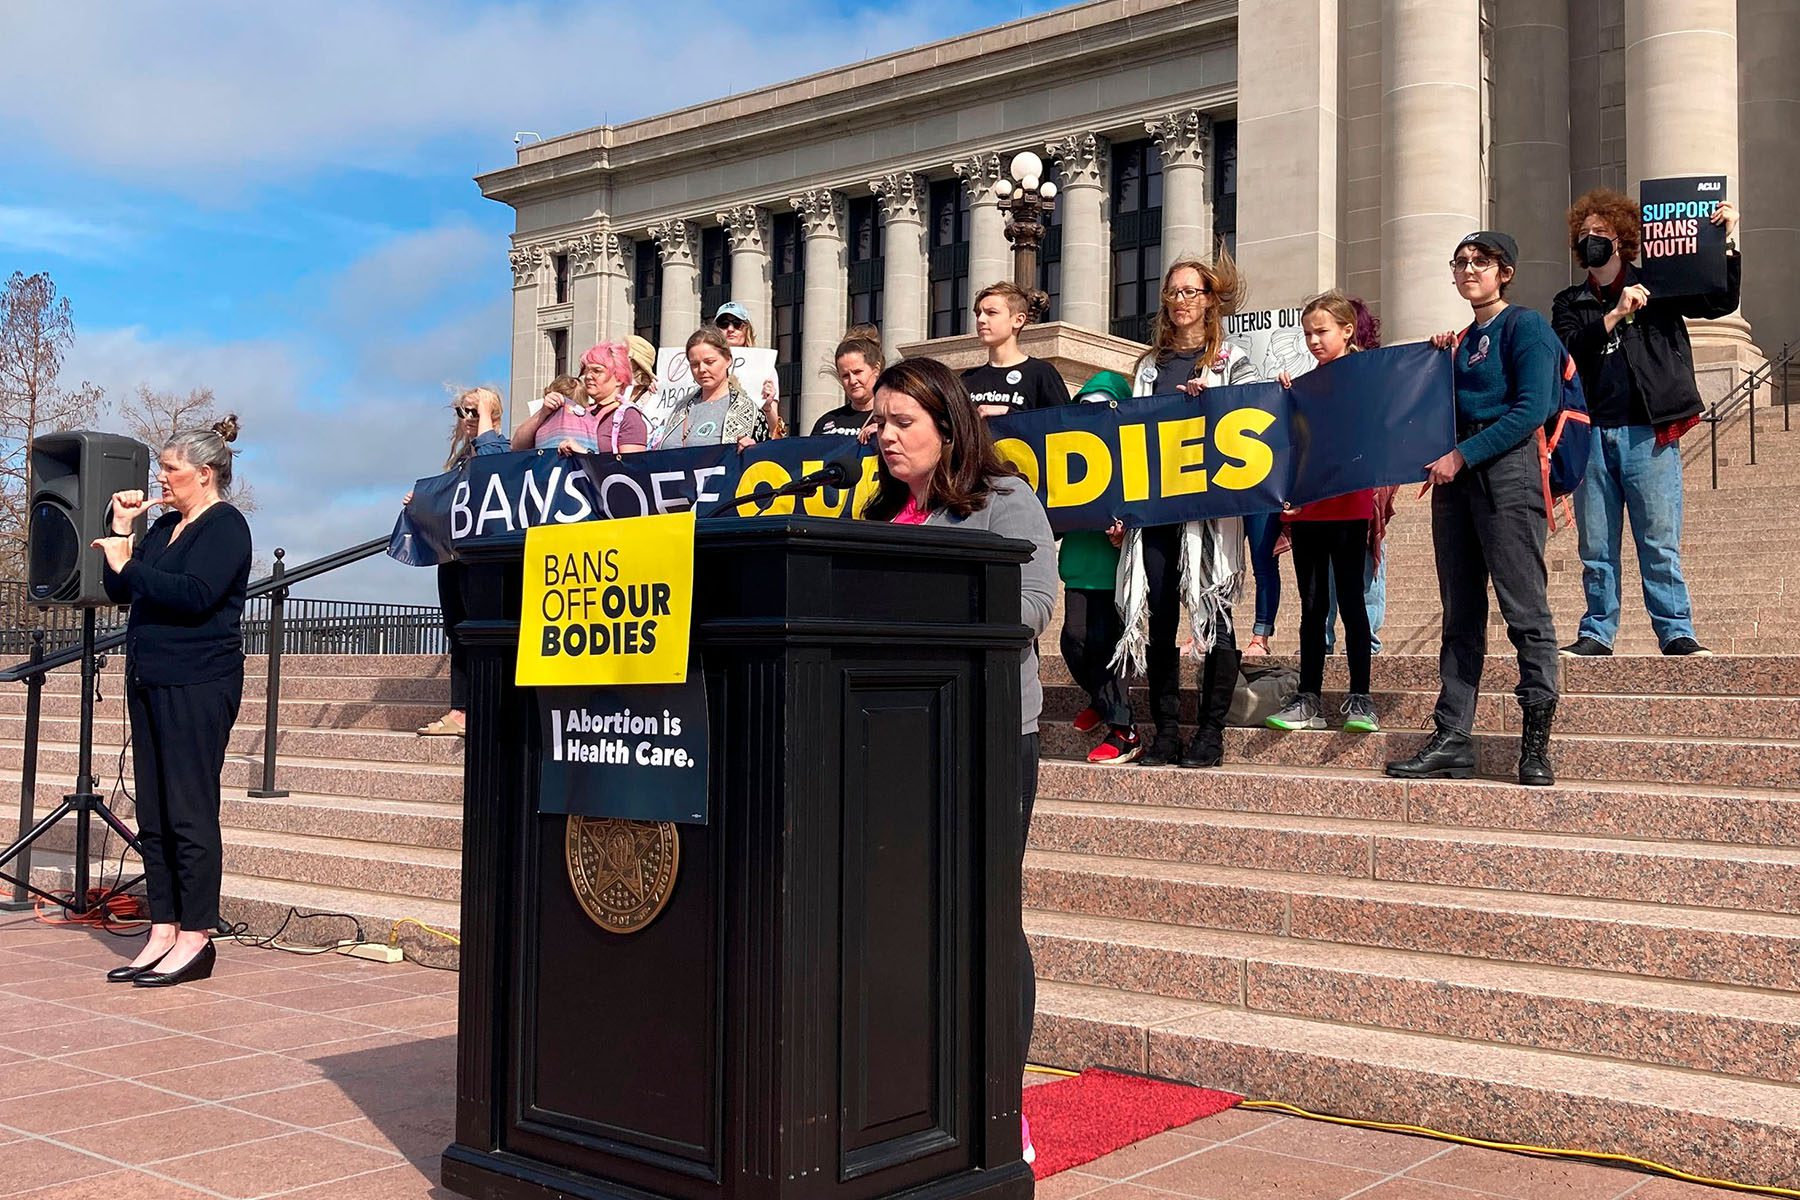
[1374, 599]
[1263, 529]
[1627, 473]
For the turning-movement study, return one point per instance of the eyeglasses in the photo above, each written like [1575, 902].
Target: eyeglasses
[464, 413]
[1473, 265]
[1186, 295]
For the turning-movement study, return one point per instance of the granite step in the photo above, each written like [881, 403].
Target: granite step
[1661, 940]
[1725, 816]
[308, 714]
[403, 689]
[1739, 878]
[292, 741]
[336, 777]
[380, 666]
[429, 872]
[1532, 1097]
[1699, 1027]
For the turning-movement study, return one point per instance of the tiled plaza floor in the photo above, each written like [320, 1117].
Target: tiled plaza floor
[329, 1078]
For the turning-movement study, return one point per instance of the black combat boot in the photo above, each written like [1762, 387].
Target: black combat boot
[1450, 754]
[1534, 745]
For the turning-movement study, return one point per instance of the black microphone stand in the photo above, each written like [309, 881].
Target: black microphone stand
[831, 475]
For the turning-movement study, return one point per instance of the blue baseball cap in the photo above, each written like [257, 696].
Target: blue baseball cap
[731, 308]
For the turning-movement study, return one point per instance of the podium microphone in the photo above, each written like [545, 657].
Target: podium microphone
[831, 475]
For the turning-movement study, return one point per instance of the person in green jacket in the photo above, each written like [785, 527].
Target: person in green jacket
[1089, 565]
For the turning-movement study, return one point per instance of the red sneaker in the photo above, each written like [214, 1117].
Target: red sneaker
[1120, 747]
[1086, 721]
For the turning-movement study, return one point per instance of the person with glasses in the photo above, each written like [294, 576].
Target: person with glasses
[1488, 522]
[733, 320]
[1200, 564]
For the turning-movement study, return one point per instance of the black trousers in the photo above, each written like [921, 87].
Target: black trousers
[1489, 524]
[1028, 780]
[178, 737]
[452, 578]
[1090, 634]
[1162, 574]
[1323, 549]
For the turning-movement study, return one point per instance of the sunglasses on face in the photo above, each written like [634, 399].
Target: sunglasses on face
[464, 413]
[729, 323]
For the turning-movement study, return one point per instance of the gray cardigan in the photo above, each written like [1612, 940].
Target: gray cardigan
[1014, 511]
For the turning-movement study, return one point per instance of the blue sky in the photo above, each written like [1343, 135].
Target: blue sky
[275, 201]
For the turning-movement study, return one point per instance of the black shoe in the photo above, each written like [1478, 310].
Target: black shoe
[1450, 754]
[198, 967]
[127, 974]
[1218, 684]
[1586, 647]
[1686, 647]
[1534, 745]
[1205, 749]
[1164, 748]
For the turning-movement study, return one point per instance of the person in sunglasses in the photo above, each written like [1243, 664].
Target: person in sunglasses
[733, 320]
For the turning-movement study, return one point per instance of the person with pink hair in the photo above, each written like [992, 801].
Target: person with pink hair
[600, 418]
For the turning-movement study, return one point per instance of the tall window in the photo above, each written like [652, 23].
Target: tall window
[949, 270]
[865, 260]
[646, 293]
[559, 267]
[559, 352]
[715, 271]
[1050, 252]
[1225, 146]
[788, 292]
[1136, 238]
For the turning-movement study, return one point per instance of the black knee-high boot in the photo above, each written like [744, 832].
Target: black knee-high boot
[1218, 683]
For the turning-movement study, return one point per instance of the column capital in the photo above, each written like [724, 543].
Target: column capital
[747, 227]
[1083, 157]
[678, 242]
[821, 212]
[1183, 136]
[593, 253]
[526, 260]
[902, 195]
[980, 172]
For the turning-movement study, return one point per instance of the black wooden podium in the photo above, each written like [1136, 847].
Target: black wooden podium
[827, 1007]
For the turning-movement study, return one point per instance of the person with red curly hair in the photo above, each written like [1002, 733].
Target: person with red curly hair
[1637, 368]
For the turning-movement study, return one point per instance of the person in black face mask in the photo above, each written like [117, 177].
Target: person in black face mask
[1637, 368]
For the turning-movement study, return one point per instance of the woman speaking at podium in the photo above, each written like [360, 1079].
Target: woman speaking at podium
[184, 677]
[938, 467]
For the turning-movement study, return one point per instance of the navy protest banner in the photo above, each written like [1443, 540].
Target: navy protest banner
[1683, 251]
[1369, 420]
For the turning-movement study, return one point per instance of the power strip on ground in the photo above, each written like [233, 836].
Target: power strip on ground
[376, 952]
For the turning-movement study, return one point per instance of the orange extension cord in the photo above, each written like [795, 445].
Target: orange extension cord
[120, 913]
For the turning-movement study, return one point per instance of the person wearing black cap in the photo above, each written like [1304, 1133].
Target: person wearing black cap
[1487, 515]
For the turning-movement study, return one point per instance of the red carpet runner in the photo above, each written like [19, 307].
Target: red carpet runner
[1075, 1121]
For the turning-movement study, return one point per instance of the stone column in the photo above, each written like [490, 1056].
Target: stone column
[679, 244]
[586, 297]
[1185, 138]
[1431, 168]
[748, 229]
[1288, 241]
[827, 301]
[527, 268]
[903, 266]
[1531, 144]
[614, 266]
[990, 255]
[1769, 107]
[1084, 173]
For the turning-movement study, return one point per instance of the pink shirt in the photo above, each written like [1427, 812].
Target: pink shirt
[912, 514]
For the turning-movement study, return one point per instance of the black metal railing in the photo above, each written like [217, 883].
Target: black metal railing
[274, 623]
[1775, 374]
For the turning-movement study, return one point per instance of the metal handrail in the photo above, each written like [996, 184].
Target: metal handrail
[1744, 394]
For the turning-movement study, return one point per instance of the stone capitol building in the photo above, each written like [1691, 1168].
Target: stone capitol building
[1344, 143]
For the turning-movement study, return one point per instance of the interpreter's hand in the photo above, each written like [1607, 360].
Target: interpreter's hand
[1727, 215]
[127, 507]
[1444, 469]
[1193, 386]
[117, 550]
[1445, 340]
[1631, 299]
[995, 410]
[406, 499]
[1284, 379]
[567, 447]
[1115, 533]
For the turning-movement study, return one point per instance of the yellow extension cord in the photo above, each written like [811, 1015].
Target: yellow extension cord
[1280, 1106]
[394, 931]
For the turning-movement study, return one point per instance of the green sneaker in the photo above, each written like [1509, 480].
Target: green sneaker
[1300, 712]
[1359, 714]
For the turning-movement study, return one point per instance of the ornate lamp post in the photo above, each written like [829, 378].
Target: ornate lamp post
[1026, 202]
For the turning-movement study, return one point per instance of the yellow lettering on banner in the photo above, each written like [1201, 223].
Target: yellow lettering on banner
[1096, 471]
[1183, 446]
[607, 602]
[773, 474]
[1019, 456]
[1134, 463]
[1235, 438]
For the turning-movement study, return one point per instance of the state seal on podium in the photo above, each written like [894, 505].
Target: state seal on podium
[622, 872]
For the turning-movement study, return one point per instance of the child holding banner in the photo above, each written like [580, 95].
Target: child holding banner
[1330, 540]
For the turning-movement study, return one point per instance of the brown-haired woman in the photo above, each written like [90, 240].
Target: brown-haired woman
[938, 467]
[1188, 353]
[859, 362]
[718, 411]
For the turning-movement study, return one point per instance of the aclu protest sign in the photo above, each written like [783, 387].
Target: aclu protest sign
[1272, 339]
[753, 366]
[1683, 251]
[607, 602]
[637, 753]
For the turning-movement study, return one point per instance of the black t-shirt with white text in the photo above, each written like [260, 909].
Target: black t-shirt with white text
[1022, 387]
[845, 421]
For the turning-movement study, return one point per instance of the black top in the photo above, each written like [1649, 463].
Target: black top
[187, 600]
[1033, 383]
[1175, 370]
[844, 421]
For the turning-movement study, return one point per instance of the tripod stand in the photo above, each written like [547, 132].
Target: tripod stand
[83, 803]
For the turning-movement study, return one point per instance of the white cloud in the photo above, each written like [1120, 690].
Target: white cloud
[52, 231]
[208, 93]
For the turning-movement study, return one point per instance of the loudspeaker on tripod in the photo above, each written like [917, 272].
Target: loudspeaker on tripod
[73, 478]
